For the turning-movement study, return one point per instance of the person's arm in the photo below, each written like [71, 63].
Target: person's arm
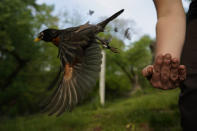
[166, 73]
[170, 28]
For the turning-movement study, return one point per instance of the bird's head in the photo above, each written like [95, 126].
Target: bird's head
[47, 35]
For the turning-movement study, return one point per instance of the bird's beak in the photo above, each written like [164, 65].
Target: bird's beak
[37, 39]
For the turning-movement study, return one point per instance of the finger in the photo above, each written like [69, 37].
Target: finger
[175, 63]
[158, 63]
[177, 83]
[182, 72]
[172, 84]
[165, 72]
[147, 71]
[174, 73]
[165, 69]
[155, 80]
[169, 85]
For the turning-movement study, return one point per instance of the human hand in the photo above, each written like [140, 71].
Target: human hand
[166, 73]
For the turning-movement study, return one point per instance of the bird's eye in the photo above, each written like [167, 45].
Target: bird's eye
[41, 35]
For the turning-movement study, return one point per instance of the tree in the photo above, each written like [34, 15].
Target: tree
[123, 72]
[139, 55]
[24, 63]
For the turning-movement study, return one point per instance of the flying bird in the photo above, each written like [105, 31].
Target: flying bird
[91, 12]
[116, 29]
[127, 34]
[80, 56]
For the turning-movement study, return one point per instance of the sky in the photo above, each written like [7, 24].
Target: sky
[142, 12]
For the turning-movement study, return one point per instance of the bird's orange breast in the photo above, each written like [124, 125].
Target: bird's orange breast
[56, 41]
[68, 72]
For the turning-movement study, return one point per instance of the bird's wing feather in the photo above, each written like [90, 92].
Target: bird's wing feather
[68, 52]
[77, 79]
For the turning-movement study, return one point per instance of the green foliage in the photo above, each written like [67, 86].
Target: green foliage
[156, 110]
[123, 70]
[139, 54]
[24, 63]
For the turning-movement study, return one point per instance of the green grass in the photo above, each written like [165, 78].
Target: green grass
[157, 110]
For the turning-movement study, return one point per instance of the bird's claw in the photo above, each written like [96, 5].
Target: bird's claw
[105, 44]
[114, 50]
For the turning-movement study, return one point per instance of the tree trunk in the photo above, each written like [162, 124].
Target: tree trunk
[136, 85]
[102, 80]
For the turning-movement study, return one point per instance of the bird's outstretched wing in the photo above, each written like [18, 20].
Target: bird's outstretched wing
[77, 79]
[69, 52]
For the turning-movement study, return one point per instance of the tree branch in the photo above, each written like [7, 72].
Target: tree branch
[125, 71]
[19, 67]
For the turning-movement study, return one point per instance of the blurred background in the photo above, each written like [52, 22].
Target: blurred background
[29, 71]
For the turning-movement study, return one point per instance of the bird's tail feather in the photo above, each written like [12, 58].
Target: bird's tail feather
[105, 22]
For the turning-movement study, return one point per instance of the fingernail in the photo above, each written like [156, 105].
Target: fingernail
[168, 56]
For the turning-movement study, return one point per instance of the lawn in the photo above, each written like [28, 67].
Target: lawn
[153, 110]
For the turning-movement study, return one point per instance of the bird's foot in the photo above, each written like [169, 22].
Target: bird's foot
[115, 50]
[105, 44]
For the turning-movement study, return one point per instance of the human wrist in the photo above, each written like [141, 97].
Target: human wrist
[172, 54]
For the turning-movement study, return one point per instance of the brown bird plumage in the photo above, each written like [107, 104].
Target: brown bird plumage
[80, 57]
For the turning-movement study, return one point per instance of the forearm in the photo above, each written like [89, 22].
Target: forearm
[170, 34]
[170, 30]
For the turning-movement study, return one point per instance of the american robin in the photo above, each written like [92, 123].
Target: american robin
[80, 56]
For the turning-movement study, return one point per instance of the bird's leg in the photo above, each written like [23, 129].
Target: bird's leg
[105, 44]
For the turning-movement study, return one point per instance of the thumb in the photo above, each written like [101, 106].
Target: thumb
[147, 71]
